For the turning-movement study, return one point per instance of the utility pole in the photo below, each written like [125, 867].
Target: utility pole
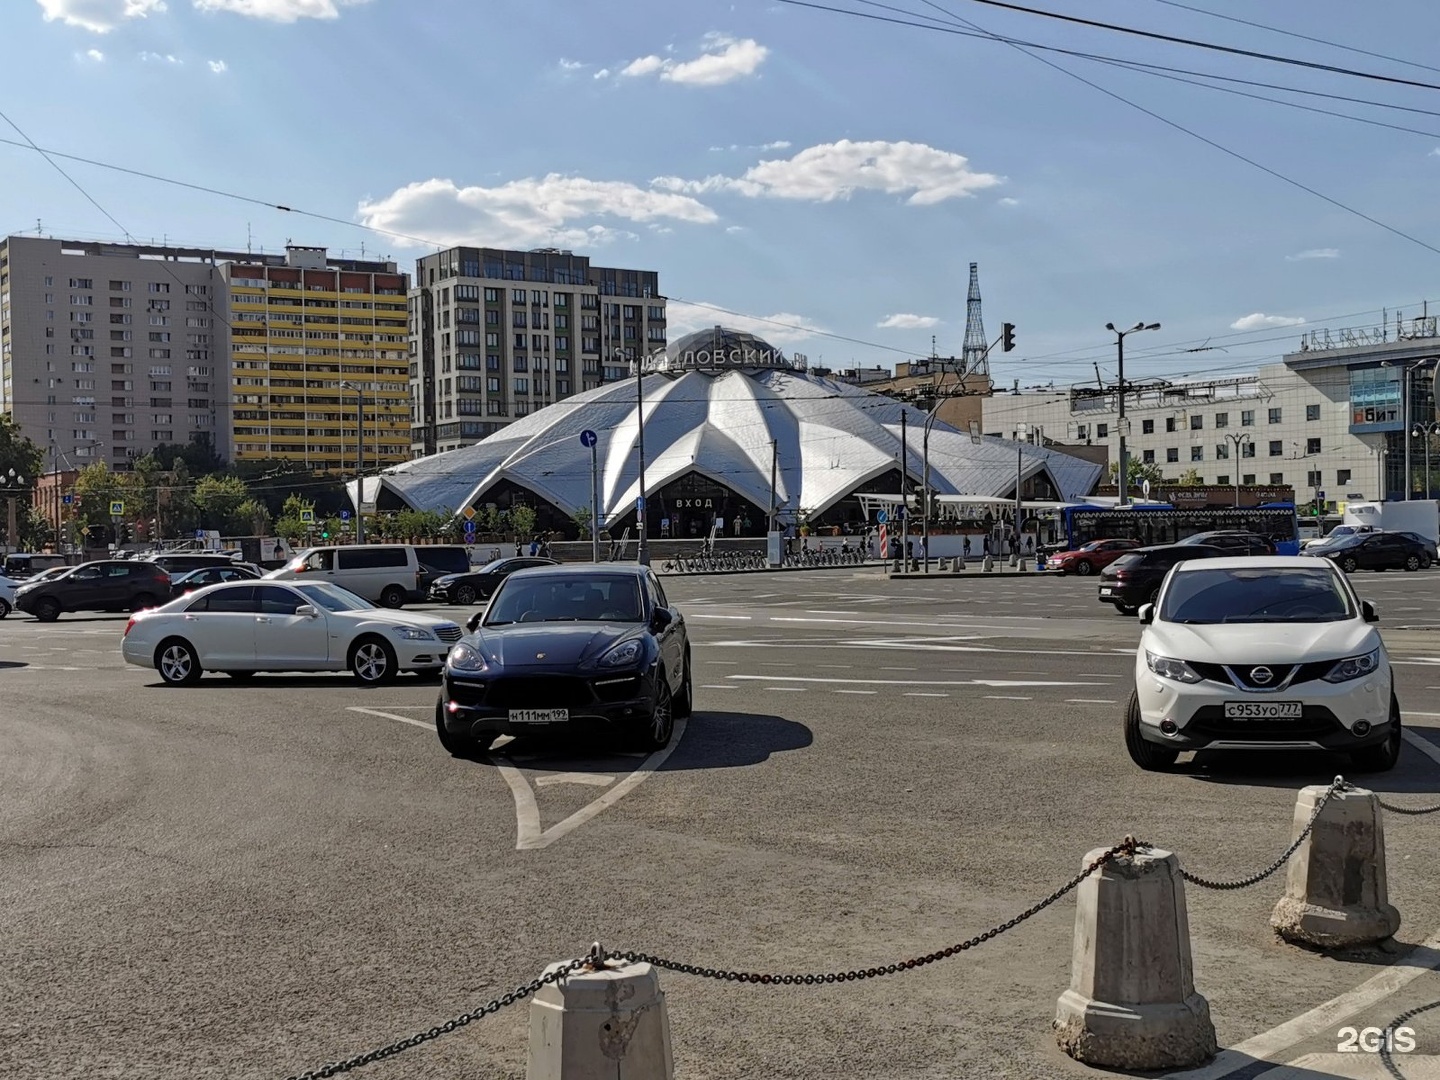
[642, 549]
[904, 497]
[359, 392]
[1123, 478]
[774, 467]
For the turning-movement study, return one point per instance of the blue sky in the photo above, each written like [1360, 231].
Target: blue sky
[821, 170]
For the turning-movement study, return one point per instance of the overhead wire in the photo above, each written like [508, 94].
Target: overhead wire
[56, 166]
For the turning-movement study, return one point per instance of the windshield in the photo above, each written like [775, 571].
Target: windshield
[491, 566]
[333, 598]
[1093, 545]
[1124, 562]
[555, 598]
[1292, 594]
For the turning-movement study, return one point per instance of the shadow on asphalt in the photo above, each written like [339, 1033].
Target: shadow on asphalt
[1415, 773]
[12, 664]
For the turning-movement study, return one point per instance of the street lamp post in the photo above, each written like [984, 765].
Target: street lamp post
[1381, 453]
[359, 458]
[1120, 335]
[1427, 431]
[1405, 371]
[1238, 441]
[11, 484]
[925, 485]
[642, 547]
[1021, 430]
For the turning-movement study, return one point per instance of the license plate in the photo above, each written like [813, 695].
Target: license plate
[539, 716]
[1104, 590]
[1262, 710]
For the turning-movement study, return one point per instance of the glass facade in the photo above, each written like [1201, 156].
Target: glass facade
[1375, 399]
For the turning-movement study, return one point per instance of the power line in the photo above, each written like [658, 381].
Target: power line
[56, 166]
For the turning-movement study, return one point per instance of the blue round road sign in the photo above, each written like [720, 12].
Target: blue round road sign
[470, 527]
[588, 438]
[344, 515]
[881, 516]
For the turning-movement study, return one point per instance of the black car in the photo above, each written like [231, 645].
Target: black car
[480, 584]
[1233, 542]
[212, 575]
[1378, 551]
[594, 649]
[1135, 577]
[184, 562]
[107, 585]
[440, 560]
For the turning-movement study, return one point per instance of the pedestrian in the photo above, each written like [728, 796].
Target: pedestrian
[518, 551]
[967, 545]
[737, 526]
[534, 546]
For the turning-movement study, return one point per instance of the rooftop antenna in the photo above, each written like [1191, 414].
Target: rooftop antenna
[38, 230]
[974, 359]
[1098, 380]
[249, 240]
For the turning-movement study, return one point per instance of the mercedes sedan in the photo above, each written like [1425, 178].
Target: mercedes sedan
[241, 628]
[569, 649]
[1261, 653]
[480, 584]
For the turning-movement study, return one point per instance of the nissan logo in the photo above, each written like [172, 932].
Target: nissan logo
[1261, 675]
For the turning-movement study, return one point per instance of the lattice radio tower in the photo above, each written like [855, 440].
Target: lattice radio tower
[974, 358]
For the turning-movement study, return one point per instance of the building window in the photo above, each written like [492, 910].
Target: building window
[1102, 431]
[1197, 422]
[1222, 451]
[1277, 478]
[1147, 427]
[1274, 416]
[1312, 478]
[1277, 447]
[1170, 423]
[1342, 477]
[1197, 453]
[1082, 431]
[1172, 454]
[1247, 418]
[1312, 446]
[1312, 412]
[1223, 478]
[1248, 451]
[1149, 457]
[1248, 479]
[1222, 419]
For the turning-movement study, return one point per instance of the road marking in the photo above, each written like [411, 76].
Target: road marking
[995, 683]
[717, 686]
[922, 693]
[1424, 745]
[897, 669]
[775, 663]
[707, 615]
[724, 663]
[427, 725]
[1088, 701]
[855, 691]
[594, 779]
[1005, 697]
[792, 689]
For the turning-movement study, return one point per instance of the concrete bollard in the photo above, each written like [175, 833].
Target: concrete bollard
[609, 1024]
[1335, 889]
[957, 564]
[1132, 1002]
[988, 565]
[1024, 565]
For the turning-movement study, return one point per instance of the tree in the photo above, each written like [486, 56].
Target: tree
[18, 452]
[1138, 472]
[1190, 478]
[288, 524]
[522, 521]
[582, 518]
[218, 500]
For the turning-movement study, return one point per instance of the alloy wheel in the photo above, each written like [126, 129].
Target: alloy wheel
[662, 720]
[371, 663]
[176, 663]
[465, 594]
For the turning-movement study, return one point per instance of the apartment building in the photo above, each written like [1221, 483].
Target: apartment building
[110, 350]
[496, 335]
[931, 382]
[310, 337]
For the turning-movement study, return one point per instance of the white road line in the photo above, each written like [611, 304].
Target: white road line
[717, 686]
[854, 691]
[722, 663]
[775, 663]
[922, 693]
[427, 725]
[907, 682]
[1005, 697]
[1088, 701]
[792, 689]
[594, 779]
[897, 669]
[707, 615]
[1424, 745]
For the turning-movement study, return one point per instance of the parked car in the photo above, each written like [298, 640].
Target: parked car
[1234, 541]
[1261, 653]
[178, 563]
[437, 560]
[213, 575]
[386, 574]
[1377, 551]
[7, 595]
[1089, 558]
[19, 565]
[1336, 534]
[241, 628]
[1135, 577]
[1429, 546]
[480, 584]
[105, 585]
[575, 648]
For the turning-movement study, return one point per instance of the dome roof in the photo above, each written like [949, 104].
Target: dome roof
[720, 420]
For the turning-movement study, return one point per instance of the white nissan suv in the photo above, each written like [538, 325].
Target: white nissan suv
[1270, 652]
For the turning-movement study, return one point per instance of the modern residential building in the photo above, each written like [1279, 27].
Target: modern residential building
[496, 335]
[109, 350]
[311, 336]
[933, 381]
[1349, 414]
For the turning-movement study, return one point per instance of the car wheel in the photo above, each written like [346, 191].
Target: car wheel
[142, 601]
[177, 662]
[685, 703]
[1349, 565]
[1412, 563]
[1147, 755]
[456, 745]
[47, 609]
[1383, 756]
[392, 597]
[1083, 568]
[4, 609]
[659, 727]
[241, 676]
[465, 594]
[372, 662]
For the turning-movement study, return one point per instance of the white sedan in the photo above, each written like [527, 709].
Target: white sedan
[7, 595]
[1261, 653]
[244, 627]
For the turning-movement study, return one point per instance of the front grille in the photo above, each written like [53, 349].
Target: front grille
[1278, 674]
[539, 692]
[449, 633]
[1316, 722]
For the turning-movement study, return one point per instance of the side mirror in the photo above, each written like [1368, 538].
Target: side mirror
[307, 610]
[473, 623]
[661, 619]
[1146, 614]
[1368, 610]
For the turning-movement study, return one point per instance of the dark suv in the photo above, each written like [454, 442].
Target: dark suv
[1233, 542]
[185, 561]
[108, 585]
[437, 560]
[1135, 577]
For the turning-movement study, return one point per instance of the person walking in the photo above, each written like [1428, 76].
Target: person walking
[967, 545]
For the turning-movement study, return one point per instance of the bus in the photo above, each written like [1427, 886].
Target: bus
[1163, 523]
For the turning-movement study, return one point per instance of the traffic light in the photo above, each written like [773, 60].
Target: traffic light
[325, 535]
[1007, 336]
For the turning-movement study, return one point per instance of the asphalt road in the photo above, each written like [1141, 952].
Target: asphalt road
[251, 880]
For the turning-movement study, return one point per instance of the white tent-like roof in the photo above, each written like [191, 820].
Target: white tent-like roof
[717, 403]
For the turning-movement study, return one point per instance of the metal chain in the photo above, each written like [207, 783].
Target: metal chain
[1410, 811]
[1336, 785]
[1127, 848]
[518, 994]
[1409, 1014]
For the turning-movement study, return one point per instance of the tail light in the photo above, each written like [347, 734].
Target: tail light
[128, 627]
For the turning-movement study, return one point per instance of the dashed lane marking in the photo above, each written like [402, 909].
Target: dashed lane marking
[855, 691]
[1088, 701]
[923, 693]
[1006, 697]
[791, 689]
[593, 779]
[994, 683]
[717, 686]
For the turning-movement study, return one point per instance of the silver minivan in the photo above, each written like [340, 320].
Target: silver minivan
[384, 574]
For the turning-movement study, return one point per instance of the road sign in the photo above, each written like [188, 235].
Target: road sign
[469, 528]
[344, 515]
[307, 515]
[1145, 488]
[588, 438]
[1319, 495]
[67, 499]
[199, 534]
[117, 507]
[469, 513]
[881, 517]
[640, 503]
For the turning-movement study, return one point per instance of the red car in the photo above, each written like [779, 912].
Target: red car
[1090, 558]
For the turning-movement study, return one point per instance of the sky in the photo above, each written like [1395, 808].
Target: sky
[824, 177]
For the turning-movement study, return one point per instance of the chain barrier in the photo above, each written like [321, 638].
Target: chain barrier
[1127, 848]
[335, 1068]
[1337, 785]
[1386, 1058]
[1410, 811]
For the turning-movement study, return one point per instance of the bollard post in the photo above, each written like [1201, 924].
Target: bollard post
[1024, 565]
[1335, 887]
[1132, 1002]
[989, 564]
[604, 1024]
[957, 564]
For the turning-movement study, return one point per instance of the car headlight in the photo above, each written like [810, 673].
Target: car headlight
[413, 633]
[1354, 667]
[466, 658]
[1167, 668]
[627, 652]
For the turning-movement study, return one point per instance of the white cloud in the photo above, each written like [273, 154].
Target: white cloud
[571, 65]
[778, 144]
[98, 16]
[903, 321]
[282, 11]
[722, 59]
[733, 229]
[94, 55]
[164, 58]
[782, 328]
[552, 210]
[836, 170]
[1314, 253]
[1008, 201]
[219, 67]
[1257, 321]
[603, 73]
